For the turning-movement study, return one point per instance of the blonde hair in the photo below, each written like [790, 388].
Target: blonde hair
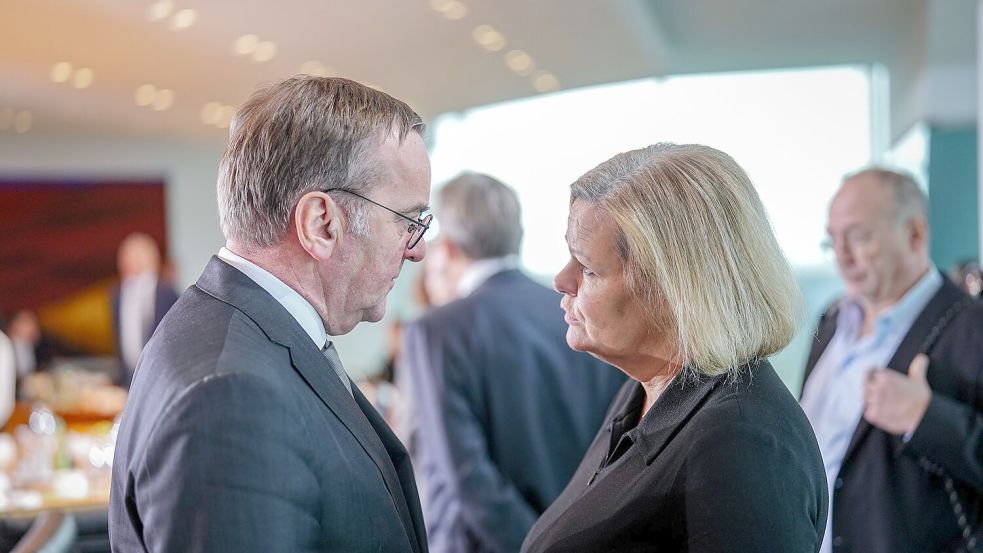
[698, 249]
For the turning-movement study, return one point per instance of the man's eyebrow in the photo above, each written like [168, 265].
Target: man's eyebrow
[418, 209]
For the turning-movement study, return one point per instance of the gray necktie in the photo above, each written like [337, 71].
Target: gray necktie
[331, 354]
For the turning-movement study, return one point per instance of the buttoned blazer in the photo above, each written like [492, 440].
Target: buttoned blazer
[716, 466]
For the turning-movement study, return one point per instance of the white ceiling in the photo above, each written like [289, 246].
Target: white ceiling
[410, 50]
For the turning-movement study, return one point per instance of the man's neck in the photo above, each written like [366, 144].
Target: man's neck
[268, 259]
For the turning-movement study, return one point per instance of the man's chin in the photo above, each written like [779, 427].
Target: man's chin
[374, 314]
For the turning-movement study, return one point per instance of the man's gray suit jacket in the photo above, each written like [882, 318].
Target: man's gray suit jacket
[238, 436]
[503, 411]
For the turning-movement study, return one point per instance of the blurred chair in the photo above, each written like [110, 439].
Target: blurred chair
[51, 532]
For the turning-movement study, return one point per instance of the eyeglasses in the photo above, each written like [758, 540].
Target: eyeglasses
[854, 240]
[417, 228]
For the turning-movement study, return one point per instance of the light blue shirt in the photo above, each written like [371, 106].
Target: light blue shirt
[833, 395]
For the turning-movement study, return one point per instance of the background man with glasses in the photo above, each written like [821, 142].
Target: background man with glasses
[242, 431]
[900, 433]
[501, 409]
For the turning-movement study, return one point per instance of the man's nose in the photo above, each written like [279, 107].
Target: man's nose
[417, 253]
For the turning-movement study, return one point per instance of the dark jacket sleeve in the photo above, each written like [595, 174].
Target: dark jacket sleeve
[194, 495]
[459, 477]
[744, 493]
[951, 435]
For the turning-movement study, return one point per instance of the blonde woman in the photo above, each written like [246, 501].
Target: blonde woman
[676, 278]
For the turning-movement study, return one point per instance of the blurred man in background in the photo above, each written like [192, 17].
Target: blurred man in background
[501, 409]
[140, 301]
[899, 431]
[8, 378]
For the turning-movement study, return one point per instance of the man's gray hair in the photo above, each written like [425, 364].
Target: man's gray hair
[297, 136]
[480, 215]
[909, 199]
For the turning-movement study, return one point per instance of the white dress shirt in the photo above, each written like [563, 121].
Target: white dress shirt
[299, 308]
[137, 296]
[8, 378]
[295, 304]
[833, 396]
[481, 270]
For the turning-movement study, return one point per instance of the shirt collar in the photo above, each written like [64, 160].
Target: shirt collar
[146, 278]
[295, 304]
[481, 270]
[904, 312]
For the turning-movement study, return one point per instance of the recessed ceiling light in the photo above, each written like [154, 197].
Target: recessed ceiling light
[225, 117]
[245, 45]
[61, 72]
[451, 9]
[23, 122]
[158, 11]
[316, 69]
[144, 95]
[83, 78]
[264, 51]
[163, 100]
[456, 10]
[488, 38]
[211, 113]
[184, 19]
[520, 62]
[441, 5]
[544, 81]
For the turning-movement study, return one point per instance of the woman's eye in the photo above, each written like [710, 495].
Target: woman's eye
[588, 272]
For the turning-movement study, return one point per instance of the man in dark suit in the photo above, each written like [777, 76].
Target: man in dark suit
[242, 431]
[901, 440]
[140, 301]
[502, 409]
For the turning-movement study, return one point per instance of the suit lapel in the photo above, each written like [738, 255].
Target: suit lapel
[824, 335]
[227, 284]
[909, 348]
[402, 485]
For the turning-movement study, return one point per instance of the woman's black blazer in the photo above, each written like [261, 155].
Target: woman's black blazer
[718, 465]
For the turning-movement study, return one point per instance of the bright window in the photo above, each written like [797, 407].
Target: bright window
[796, 132]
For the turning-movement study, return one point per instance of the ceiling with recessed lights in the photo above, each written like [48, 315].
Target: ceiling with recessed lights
[178, 68]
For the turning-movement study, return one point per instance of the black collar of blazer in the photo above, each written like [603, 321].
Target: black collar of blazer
[947, 295]
[229, 285]
[671, 410]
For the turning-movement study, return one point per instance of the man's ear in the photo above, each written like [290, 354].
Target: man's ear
[452, 250]
[918, 232]
[318, 223]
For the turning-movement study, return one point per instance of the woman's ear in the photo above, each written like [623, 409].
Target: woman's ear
[318, 224]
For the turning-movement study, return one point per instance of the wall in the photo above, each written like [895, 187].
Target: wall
[953, 194]
[189, 171]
